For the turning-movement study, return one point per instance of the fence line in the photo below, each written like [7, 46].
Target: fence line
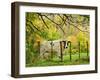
[79, 50]
[70, 49]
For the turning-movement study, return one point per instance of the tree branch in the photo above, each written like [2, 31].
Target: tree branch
[33, 25]
[30, 26]
[54, 23]
[43, 20]
[74, 25]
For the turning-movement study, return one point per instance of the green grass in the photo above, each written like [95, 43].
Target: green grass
[84, 59]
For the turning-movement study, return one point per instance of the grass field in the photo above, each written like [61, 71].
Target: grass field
[84, 59]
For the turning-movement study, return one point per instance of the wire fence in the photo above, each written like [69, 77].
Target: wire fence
[79, 49]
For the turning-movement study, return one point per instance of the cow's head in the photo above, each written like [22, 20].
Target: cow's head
[64, 44]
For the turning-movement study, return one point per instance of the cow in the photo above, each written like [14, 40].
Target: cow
[47, 47]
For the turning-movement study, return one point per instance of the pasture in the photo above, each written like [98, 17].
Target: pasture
[66, 61]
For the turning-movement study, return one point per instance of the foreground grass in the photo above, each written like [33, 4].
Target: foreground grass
[84, 59]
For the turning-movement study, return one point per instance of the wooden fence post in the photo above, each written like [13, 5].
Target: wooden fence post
[87, 49]
[38, 46]
[61, 51]
[51, 49]
[69, 43]
[79, 49]
[70, 52]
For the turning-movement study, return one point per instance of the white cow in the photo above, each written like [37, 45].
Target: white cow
[45, 48]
